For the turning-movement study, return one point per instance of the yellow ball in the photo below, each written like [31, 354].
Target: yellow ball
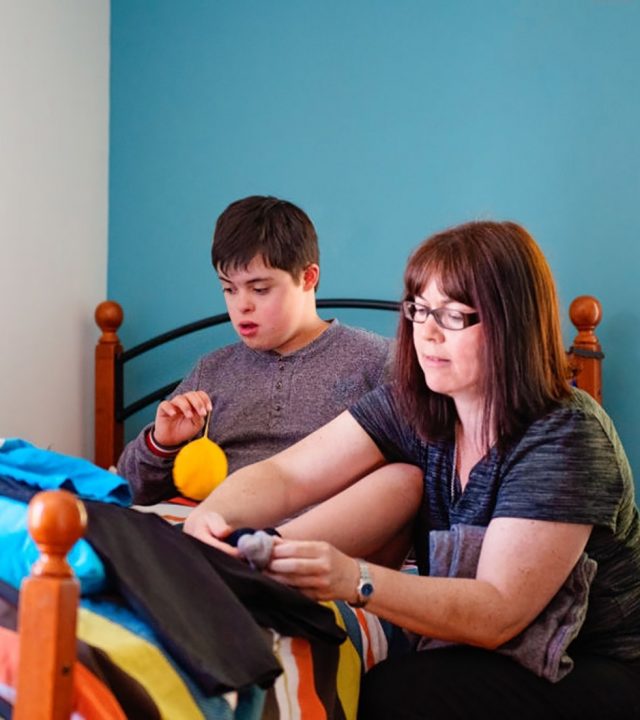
[199, 468]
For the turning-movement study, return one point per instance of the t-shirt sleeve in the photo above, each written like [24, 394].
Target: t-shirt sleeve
[379, 416]
[569, 468]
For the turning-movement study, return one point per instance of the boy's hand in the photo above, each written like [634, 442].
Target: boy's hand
[181, 418]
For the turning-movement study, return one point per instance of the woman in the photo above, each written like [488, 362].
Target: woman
[481, 403]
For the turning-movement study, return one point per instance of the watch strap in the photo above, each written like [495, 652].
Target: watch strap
[365, 588]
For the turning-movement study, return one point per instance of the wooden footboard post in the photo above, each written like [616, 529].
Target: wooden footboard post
[585, 355]
[109, 431]
[48, 609]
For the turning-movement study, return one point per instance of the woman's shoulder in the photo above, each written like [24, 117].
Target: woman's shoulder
[578, 405]
[378, 412]
[581, 411]
[578, 427]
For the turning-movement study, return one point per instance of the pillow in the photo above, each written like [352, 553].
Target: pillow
[542, 646]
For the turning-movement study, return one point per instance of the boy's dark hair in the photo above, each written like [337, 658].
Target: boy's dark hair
[498, 269]
[276, 230]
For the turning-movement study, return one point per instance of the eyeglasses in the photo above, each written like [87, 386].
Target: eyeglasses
[445, 317]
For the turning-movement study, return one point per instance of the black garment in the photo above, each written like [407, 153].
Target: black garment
[205, 606]
[11, 488]
[6, 710]
[465, 683]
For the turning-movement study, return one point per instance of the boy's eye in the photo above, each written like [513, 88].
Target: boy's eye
[261, 290]
[227, 289]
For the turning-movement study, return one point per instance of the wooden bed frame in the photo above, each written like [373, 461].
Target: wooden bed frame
[585, 357]
[48, 610]
[49, 598]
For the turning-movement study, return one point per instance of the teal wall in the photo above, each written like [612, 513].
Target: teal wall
[385, 121]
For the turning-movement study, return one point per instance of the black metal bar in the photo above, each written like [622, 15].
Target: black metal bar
[221, 318]
[174, 334]
[122, 413]
[583, 352]
[142, 403]
[359, 304]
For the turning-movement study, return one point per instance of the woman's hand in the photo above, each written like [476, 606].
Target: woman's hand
[316, 568]
[181, 418]
[211, 528]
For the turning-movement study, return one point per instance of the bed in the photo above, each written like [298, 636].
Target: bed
[112, 361]
[63, 661]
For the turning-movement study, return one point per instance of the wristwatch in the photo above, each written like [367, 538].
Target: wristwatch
[365, 587]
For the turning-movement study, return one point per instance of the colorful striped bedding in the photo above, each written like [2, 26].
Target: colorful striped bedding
[123, 672]
[321, 681]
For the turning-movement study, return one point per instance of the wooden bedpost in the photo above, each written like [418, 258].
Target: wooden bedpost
[585, 355]
[109, 432]
[47, 610]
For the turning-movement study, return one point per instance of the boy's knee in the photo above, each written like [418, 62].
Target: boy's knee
[410, 481]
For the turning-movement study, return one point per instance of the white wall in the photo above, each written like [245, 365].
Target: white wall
[54, 114]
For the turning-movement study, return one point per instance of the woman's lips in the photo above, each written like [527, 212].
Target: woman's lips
[434, 361]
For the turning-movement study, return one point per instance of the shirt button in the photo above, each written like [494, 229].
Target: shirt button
[281, 368]
[277, 408]
[278, 385]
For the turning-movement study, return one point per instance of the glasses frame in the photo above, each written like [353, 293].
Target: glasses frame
[468, 318]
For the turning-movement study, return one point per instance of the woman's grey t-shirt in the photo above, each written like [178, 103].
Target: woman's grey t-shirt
[569, 466]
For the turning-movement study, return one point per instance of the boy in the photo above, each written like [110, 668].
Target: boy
[292, 372]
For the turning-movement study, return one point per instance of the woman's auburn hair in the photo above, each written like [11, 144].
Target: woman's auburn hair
[498, 269]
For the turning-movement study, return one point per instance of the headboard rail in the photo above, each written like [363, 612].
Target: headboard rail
[585, 358]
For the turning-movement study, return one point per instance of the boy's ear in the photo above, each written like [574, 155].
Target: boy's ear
[310, 276]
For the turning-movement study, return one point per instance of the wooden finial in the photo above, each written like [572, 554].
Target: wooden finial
[47, 610]
[585, 312]
[109, 317]
[585, 355]
[56, 520]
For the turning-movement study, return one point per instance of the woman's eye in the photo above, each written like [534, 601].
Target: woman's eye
[455, 318]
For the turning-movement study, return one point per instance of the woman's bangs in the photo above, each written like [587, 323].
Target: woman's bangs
[456, 283]
[448, 270]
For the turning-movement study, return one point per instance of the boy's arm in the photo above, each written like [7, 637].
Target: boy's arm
[149, 475]
[146, 465]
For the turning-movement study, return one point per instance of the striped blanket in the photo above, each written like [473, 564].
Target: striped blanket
[321, 681]
[122, 671]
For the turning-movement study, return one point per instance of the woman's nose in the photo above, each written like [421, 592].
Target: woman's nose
[430, 330]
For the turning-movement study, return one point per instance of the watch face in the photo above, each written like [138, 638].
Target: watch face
[366, 590]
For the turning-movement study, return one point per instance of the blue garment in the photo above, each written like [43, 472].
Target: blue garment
[38, 469]
[18, 551]
[49, 470]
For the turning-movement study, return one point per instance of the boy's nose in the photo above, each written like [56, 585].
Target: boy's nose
[245, 303]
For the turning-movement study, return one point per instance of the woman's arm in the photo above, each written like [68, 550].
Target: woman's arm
[321, 465]
[523, 563]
